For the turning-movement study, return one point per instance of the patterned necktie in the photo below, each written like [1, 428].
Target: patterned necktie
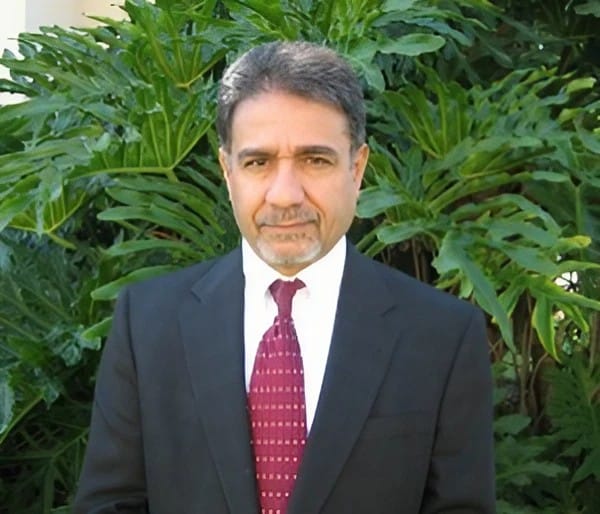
[277, 406]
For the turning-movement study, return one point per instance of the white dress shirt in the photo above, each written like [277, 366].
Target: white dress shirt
[313, 311]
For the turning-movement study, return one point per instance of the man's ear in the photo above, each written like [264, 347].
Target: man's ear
[359, 164]
[224, 161]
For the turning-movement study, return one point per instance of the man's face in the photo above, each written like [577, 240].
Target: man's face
[292, 178]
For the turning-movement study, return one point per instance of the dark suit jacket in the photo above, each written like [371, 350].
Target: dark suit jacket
[403, 424]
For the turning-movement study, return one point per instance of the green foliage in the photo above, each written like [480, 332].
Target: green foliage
[529, 465]
[376, 36]
[523, 460]
[574, 408]
[523, 466]
[484, 177]
[42, 458]
[451, 184]
[45, 308]
[144, 110]
[103, 115]
[45, 371]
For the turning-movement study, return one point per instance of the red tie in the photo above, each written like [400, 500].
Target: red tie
[277, 406]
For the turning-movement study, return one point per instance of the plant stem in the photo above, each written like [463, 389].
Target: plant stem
[594, 338]
[415, 257]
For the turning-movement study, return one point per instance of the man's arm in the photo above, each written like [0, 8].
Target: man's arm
[461, 475]
[112, 479]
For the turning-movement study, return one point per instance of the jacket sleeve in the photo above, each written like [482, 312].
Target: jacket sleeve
[112, 478]
[461, 475]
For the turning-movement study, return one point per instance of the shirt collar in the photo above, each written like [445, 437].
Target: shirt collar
[322, 276]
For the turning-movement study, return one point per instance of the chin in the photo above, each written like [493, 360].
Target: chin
[275, 255]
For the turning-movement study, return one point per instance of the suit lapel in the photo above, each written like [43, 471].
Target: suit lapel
[361, 346]
[211, 322]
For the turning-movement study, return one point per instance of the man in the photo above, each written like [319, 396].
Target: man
[388, 410]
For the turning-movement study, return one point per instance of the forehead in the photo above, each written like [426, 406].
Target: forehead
[274, 118]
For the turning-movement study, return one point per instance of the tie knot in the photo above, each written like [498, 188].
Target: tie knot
[283, 291]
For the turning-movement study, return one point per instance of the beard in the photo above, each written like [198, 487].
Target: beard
[303, 249]
[296, 247]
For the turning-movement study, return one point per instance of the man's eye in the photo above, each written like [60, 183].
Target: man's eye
[255, 163]
[317, 161]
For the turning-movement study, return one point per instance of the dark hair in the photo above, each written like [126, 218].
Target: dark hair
[299, 68]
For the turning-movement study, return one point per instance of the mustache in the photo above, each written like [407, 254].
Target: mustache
[291, 215]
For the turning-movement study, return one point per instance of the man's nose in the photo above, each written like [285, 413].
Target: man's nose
[286, 187]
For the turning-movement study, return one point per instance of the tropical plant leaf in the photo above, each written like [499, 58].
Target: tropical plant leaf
[412, 44]
[7, 401]
[574, 409]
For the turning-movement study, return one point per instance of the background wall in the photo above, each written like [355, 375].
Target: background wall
[68, 12]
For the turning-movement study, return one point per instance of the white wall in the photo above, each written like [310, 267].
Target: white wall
[69, 13]
[28, 15]
[12, 21]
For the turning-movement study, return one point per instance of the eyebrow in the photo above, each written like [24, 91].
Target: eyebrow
[301, 150]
